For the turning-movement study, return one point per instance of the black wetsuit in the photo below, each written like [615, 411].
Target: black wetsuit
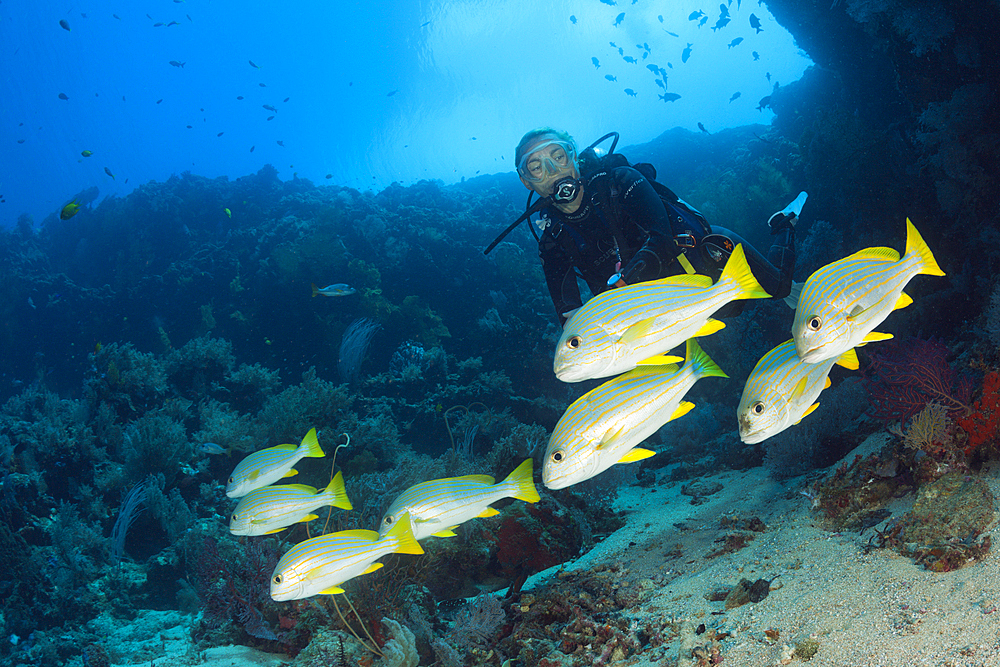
[623, 226]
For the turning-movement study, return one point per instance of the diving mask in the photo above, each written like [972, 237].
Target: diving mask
[547, 159]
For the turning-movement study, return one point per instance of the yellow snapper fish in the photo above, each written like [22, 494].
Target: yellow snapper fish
[782, 389]
[604, 426]
[842, 303]
[618, 329]
[319, 565]
[274, 508]
[267, 466]
[441, 505]
[340, 289]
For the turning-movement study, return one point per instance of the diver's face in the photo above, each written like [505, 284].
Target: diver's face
[545, 162]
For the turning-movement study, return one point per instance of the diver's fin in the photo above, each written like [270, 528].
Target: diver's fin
[849, 360]
[636, 454]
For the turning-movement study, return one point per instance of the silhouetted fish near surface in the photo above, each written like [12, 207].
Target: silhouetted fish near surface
[694, 16]
[756, 56]
[270, 118]
[686, 53]
[610, 3]
[63, 96]
[764, 102]
[735, 96]
[630, 92]
[702, 128]
[630, 59]
[253, 64]
[755, 23]
[108, 172]
[269, 107]
[280, 142]
[64, 25]
[669, 97]
[721, 23]
[723, 10]
[619, 19]
[262, 85]
[220, 134]
[251, 148]
[391, 93]
[572, 19]
[286, 99]
[597, 63]
[159, 100]
[735, 42]
[177, 63]
[610, 78]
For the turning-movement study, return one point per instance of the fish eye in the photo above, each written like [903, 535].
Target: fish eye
[388, 520]
[230, 480]
[277, 578]
[757, 408]
[814, 323]
[575, 342]
[557, 456]
[234, 517]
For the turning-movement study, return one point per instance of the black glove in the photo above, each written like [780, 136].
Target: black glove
[780, 221]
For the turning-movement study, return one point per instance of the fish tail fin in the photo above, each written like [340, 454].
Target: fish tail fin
[738, 271]
[915, 246]
[402, 532]
[315, 289]
[701, 363]
[338, 492]
[310, 445]
[522, 479]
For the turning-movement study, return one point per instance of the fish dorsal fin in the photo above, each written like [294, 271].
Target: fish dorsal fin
[826, 385]
[664, 360]
[799, 388]
[636, 454]
[485, 479]
[682, 409]
[371, 568]
[292, 473]
[360, 534]
[710, 327]
[637, 330]
[488, 512]
[287, 448]
[903, 301]
[685, 280]
[885, 254]
[305, 488]
[874, 337]
[333, 590]
[849, 360]
[448, 532]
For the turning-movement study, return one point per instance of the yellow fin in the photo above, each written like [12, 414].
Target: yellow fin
[880, 253]
[300, 487]
[903, 301]
[333, 590]
[610, 438]
[402, 532]
[371, 568]
[849, 360]
[738, 271]
[710, 327]
[336, 487]
[291, 473]
[485, 479]
[799, 388]
[826, 385]
[450, 532]
[311, 445]
[523, 478]
[857, 311]
[915, 246]
[360, 534]
[809, 411]
[309, 517]
[682, 409]
[636, 454]
[662, 360]
[315, 289]
[701, 363]
[685, 280]
[637, 331]
[488, 512]
[874, 337]
[276, 530]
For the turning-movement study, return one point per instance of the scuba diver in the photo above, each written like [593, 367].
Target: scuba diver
[613, 225]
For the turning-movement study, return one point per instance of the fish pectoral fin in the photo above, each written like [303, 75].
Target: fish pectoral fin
[710, 327]
[371, 568]
[637, 331]
[291, 473]
[799, 388]
[309, 517]
[849, 360]
[636, 454]
[449, 532]
[857, 311]
[276, 530]
[333, 590]
[489, 511]
[682, 409]
[661, 360]
[610, 437]
[903, 301]
[874, 337]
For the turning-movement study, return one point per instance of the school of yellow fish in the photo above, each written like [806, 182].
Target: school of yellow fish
[627, 332]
